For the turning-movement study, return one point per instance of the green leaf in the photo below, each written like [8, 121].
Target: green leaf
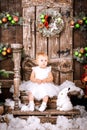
[5, 73]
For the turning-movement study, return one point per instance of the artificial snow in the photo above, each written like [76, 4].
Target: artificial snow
[33, 122]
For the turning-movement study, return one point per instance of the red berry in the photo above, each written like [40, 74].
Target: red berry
[9, 50]
[80, 21]
[16, 18]
[46, 17]
[4, 20]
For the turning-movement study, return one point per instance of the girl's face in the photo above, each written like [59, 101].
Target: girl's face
[42, 61]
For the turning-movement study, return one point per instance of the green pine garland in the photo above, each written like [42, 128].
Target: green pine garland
[7, 18]
[79, 22]
[80, 54]
[5, 51]
[5, 73]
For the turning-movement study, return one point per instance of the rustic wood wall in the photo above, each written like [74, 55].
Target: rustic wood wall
[34, 42]
[14, 34]
[79, 37]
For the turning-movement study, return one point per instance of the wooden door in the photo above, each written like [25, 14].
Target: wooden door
[58, 48]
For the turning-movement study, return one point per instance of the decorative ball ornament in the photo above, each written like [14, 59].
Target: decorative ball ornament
[76, 53]
[80, 54]
[79, 22]
[85, 49]
[5, 51]
[7, 19]
[77, 25]
[50, 23]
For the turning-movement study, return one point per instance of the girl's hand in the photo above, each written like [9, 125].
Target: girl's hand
[44, 81]
[38, 81]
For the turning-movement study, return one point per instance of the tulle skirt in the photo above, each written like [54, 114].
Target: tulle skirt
[39, 91]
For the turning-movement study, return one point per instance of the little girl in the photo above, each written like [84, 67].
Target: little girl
[40, 86]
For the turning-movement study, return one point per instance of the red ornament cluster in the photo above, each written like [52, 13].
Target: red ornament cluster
[80, 54]
[79, 22]
[85, 67]
[9, 19]
[84, 79]
[45, 19]
[5, 51]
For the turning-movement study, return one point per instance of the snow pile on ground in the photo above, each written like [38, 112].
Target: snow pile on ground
[33, 123]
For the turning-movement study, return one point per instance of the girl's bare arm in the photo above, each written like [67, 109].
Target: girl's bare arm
[33, 78]
[49, 78]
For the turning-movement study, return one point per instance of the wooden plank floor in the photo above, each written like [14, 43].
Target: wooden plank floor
[52, 112]
[50, 115]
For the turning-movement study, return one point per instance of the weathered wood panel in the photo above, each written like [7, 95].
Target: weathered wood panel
[53, 48]
[66, 44]
[50, 45]
[11, 34]
[26, 3]
[41, 42]
[53, 42]
[28, 31]
[49, 112]
[79, 37]
[14, 34]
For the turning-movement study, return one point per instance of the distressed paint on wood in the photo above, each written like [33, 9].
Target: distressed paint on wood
[50, 45]
[26, 3]
[28, 31]
[53, 47]
[41, 42]
[66, 44]
[53, 42]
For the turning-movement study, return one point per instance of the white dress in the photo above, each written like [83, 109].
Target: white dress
[39, 91]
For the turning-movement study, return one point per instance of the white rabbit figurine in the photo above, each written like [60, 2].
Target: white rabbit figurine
[63, 101]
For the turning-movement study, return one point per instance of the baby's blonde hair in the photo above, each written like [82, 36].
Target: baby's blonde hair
[41, 54]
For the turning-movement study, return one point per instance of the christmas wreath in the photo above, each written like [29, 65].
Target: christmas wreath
[50, 23]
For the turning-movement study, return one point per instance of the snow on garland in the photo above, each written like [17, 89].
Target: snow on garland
[50, 23]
